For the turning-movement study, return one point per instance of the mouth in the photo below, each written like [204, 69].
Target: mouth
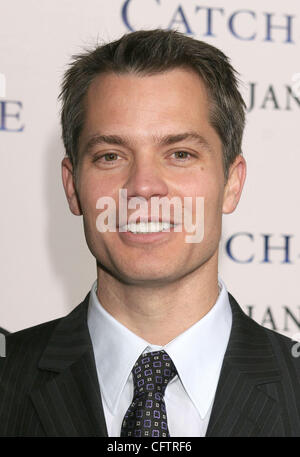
[147, 227]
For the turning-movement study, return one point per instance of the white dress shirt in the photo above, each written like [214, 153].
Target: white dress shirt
[197, 354]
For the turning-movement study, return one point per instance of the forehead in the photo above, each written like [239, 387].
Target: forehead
[146, 106]
[177, 89]
[176, 77]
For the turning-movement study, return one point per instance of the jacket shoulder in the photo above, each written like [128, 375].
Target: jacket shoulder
[32, 339]
[265, 342]
[24, 348]
[287, 350]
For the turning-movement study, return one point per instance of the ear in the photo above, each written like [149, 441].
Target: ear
[234, 184]
[69, 186]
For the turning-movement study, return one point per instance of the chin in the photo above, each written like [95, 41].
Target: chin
[146, 275]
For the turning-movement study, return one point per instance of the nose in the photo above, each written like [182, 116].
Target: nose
[146, 180]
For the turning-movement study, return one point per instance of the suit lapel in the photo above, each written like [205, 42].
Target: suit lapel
[69, 402]
[246, 398]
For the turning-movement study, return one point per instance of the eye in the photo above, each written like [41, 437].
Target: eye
[108, 157]
[183, 155]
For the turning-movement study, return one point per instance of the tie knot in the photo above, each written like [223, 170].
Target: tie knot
[152, 372]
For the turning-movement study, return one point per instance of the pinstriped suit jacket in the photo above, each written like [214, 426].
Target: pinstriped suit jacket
[49, 384]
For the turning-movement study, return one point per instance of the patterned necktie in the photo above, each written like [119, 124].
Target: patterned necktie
[147, 416]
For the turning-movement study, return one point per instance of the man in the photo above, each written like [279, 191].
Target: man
[158, 347]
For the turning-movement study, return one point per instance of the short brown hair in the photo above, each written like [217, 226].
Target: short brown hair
[150, 52]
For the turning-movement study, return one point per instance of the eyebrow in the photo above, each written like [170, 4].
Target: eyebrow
[165, 140]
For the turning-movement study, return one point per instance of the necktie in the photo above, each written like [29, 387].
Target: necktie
[147, 416]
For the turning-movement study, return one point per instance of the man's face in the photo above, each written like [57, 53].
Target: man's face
[137, 114]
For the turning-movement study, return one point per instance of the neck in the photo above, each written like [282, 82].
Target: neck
[160, 313]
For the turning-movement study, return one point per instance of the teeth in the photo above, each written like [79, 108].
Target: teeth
[147, 227]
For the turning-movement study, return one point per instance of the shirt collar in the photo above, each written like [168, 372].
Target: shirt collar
[202, 347]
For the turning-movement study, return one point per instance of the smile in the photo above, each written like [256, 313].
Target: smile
[147, 227]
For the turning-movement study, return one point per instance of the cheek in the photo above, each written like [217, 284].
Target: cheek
[205, 186]
[92, 187]
[212, 205]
